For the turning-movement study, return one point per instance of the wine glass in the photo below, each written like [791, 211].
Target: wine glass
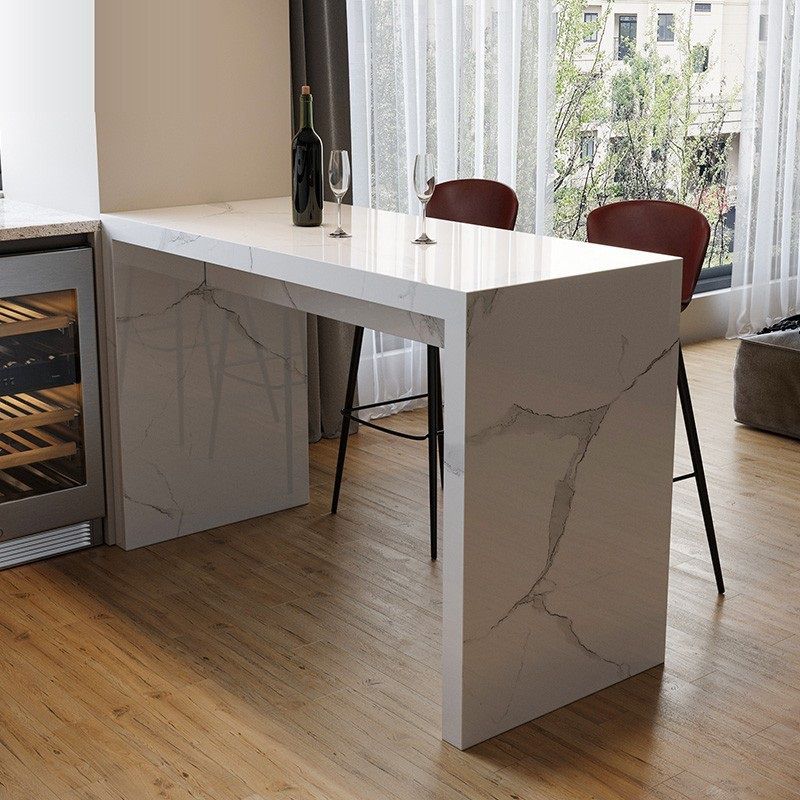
[424, 184]
[339, 180]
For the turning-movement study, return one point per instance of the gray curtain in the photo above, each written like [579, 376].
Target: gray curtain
[318, 33]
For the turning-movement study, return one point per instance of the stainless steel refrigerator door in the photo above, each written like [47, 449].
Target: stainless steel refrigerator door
[61, 270]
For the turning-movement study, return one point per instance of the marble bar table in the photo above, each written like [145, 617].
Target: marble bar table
[559, 369]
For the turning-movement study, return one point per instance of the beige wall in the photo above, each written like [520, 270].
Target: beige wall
[109, 105]
[192, 101]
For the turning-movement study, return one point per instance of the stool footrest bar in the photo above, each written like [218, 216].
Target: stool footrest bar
[385, 403]
[416, 437]
[684, 477]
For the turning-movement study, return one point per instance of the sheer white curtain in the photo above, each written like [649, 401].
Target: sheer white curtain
[767, 246]
[466, 80]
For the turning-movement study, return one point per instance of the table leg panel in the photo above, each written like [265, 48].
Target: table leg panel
[559, 440]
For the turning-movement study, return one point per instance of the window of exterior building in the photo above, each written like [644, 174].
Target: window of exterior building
[626, 35]
[591, 18]
[666, 28]
[588, 146]
[700, 58]
[702, 8]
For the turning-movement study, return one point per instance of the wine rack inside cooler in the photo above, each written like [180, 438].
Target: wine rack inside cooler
[41, 426]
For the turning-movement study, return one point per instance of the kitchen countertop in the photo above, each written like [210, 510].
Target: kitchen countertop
[27, 221]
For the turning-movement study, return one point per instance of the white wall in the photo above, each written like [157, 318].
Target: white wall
[47, 132]
[706, 317]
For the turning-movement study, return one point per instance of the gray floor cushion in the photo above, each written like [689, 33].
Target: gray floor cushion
[767, 382]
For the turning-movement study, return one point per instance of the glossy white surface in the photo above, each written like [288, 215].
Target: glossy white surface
[559, 374]
[212, 401]
[257, 236]
[564, 447]
[26, 221]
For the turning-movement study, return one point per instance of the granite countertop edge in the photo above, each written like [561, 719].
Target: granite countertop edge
[20, 220]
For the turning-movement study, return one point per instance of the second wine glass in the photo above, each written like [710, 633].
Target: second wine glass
[339, 180]
[424, 184]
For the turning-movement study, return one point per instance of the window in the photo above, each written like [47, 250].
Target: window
[666, 27]
[699, 58]
[626, 35]
[590, 18]
[388, 343]
[709, 154]
[624, 107]
[702, 8]
[588, 146]
[644, 92]
[621, 158]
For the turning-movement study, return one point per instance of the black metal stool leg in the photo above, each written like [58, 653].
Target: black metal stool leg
[352, 380]
[433, 436]
[697, 468]
[433, 352]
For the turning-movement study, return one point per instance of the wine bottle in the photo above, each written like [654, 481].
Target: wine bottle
[307, 183]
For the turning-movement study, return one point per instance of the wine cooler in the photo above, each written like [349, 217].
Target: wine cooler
[51, 476]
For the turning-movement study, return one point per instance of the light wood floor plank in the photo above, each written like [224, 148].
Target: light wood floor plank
[296, 656]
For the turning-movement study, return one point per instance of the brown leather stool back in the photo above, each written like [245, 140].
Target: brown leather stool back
[655, 226]
[476, 201]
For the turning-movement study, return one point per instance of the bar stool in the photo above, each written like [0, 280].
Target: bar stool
[657, 226]
[475, 201]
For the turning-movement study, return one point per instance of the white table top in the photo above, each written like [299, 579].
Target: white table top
[258, 236]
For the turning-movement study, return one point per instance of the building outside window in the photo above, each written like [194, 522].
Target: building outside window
[635, 90]
[626, 35]
[700, 58]
[666, 28]
[590, 18]
[644, 111]
[588, 146]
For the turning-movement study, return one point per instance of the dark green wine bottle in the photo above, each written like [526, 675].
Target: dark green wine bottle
[306, 167]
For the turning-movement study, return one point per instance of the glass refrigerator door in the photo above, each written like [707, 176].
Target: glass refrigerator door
[41, 425]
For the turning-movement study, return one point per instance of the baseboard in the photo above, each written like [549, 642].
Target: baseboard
[706, 317]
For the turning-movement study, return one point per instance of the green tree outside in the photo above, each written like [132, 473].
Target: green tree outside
[644, 126]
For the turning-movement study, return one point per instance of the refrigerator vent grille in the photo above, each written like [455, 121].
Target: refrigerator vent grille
[46, 544]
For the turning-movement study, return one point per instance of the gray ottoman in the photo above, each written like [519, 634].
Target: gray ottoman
[766, 380]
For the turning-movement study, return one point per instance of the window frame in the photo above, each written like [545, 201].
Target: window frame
[591, 38]
[588, 137]
[714, 278]
[630, 40]
[699, 67]
[669, 29]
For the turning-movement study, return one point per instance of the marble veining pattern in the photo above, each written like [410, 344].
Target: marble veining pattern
[219, 386]
[583, 426]
[559, 420]
[379, 263]
[543, 461]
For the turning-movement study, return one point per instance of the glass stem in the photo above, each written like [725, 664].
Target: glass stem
[338, 213]
[424, 208]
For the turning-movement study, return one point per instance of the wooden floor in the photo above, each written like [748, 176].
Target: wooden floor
[297, 656]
